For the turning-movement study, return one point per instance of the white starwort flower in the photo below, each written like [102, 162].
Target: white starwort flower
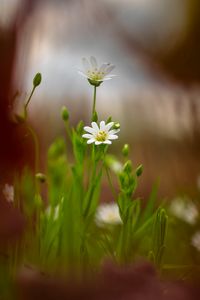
[116, 167]
[107, 214]
[8, 192]
[195, 240]
[185, 210]
[100, 134]
[95, 74]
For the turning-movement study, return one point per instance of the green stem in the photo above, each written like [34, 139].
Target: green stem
[29, 99]
[36, 146]
[111, 184]
[94, 101]
[67, 128]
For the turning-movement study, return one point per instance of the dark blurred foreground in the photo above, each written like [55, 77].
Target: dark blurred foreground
[139, 282]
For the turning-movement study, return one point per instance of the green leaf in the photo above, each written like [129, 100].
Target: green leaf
[79, 147]
[149, 209]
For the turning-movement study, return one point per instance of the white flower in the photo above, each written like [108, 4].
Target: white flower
[184, 210]
[195, 241]
[8, 192]
[116, 167]
[108, 214]
[96, 75]
[100, 134]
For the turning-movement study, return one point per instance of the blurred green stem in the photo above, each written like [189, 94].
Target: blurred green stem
[111, 184]
[94, 101]
[29, 99]
[36, 146]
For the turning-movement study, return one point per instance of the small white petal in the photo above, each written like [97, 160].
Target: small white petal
[107, 142]
[109, 69]
[82, 74]
[109, 77]
[109, 125]
[93, 62]
[86, 64]
[112, 137]
[95, 126]
[102, 125]
[114, 131]
[87, 136]
[89, 129]
[105, 79]
[98, 143]
[103, 67]
[91, 141]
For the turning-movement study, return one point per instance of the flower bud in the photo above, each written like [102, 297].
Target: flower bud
[64, 113]
[41, 177]
[37, 79]
[116, 126]
[139, 170]
[109, 120]
[128, 167]
[125, 150]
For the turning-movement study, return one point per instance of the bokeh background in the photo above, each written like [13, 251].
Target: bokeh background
[155, 45]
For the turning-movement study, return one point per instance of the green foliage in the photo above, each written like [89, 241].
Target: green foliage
[61, 204]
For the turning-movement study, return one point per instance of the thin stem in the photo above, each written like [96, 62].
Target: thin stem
[29, 99]
[36, 145]
[94, 101]
[111, 184]
[67, 128]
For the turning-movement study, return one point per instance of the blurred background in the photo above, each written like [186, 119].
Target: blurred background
[155, 45]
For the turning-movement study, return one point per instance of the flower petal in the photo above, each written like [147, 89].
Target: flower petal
[95, 126]
[109, 125]
[93, 62]
[91, 141]
[98, 142]
[102, 125]
[112, 137]
[89, 129]
[103, 67]
[87, 136]
[109, 69]
[86, 64]
[82, 74]
[107, 142]
[114, 131]
[108, 77]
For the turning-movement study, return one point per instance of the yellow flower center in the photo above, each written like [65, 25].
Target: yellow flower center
[101, 136]
[95, 74]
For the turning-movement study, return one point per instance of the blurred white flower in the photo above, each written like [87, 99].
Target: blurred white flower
[96, 75]
[100, 134]
[107, 214]
[195, 240]
[8, 192]
[184, 210]
[116, 167]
